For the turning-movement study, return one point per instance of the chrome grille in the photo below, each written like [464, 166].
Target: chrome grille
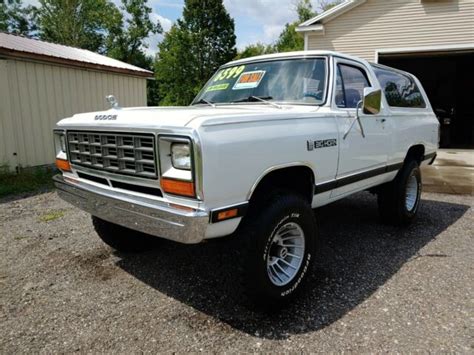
[122, 153]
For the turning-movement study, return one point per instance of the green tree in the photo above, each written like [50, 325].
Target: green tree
[78, 23]
[289, 39]
[212, 32]
[305, 11]
[193, 49]
[127, 42]
[253, 50]
[176, 75]
[16, 18]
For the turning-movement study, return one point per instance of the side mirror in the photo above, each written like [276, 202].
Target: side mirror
[372, 102]
[371, 105]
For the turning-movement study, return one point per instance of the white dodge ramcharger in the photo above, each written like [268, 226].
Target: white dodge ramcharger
[267, 140]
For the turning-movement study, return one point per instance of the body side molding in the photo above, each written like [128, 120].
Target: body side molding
[334, 184]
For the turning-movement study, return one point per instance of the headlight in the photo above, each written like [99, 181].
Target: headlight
[181, 156]
[176, 166]
[60, 144]
[61, 151]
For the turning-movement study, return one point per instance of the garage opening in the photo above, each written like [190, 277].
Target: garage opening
[448, 79]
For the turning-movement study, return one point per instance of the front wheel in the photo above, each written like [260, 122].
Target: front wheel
[399, 200]
[280, 243]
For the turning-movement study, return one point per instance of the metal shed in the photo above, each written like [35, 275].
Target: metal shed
[41, 83]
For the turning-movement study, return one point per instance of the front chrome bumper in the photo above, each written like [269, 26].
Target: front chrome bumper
[144, 216]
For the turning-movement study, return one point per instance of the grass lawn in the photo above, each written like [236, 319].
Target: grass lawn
[26, 181]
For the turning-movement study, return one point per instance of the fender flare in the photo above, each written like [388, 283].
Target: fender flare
[275, 168]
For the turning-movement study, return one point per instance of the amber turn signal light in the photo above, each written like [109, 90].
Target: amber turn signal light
[178, 187]
[63, 165]
[227, 214]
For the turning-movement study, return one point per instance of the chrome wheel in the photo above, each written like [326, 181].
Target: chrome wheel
[285, 255]
[411, 192]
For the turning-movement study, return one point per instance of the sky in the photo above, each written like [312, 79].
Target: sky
[255, 20]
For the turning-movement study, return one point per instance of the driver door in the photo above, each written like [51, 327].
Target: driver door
[361, 158]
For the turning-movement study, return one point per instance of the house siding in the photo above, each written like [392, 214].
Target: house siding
[34, 96]
[379, 24]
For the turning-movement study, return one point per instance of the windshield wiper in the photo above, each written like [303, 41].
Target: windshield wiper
[203, 101]
[263, 99]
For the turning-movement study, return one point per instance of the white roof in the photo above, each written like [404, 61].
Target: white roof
[296, 54]
[18, 46]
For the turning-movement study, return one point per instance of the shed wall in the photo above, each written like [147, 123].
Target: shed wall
[379, 24]
[34, 96]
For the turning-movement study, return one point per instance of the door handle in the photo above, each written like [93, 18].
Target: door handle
[381, 120]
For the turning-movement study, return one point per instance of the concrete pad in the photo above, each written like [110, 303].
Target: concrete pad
[455, 157]
[452, 172]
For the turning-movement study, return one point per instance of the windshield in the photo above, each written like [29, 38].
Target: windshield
[294, 81]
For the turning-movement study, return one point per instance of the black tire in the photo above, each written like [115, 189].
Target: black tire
[393, 200]
[259, 228]
[122, 239]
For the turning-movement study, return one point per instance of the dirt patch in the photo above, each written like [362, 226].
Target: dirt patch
[96, 264]
[374, 288]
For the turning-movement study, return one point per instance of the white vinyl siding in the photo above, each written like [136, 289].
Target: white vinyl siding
[380, 24]
[34, 96]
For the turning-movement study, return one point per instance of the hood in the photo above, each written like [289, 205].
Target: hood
[186, 116]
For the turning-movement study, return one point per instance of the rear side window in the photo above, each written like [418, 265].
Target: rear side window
[400, 90]
[350, 84]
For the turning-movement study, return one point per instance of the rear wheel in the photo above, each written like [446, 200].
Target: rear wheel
[399, 200]
[121, 238]
[279, 247]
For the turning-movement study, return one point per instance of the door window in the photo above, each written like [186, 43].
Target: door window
[350, 84]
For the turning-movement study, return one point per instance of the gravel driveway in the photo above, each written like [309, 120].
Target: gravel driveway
[375, 288]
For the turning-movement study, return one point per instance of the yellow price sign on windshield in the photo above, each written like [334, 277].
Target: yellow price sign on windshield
[229, 73]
